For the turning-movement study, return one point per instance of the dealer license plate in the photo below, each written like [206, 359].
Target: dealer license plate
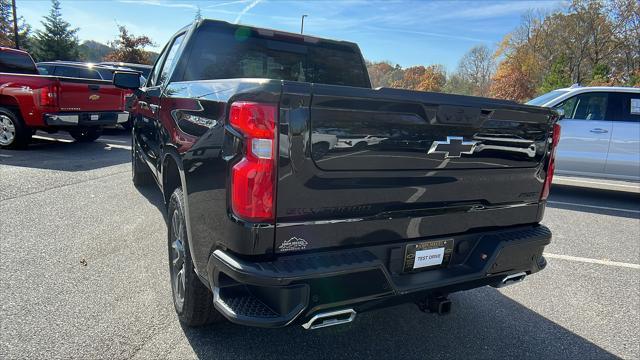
[427, 255]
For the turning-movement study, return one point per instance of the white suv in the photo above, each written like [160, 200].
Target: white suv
[600, 131]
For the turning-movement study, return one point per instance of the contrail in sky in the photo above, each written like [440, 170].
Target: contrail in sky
[246, 9]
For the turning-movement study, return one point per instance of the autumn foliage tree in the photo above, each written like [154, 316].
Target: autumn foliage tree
[130, 48]
[511, 82]
[383, 74]
[430, 78]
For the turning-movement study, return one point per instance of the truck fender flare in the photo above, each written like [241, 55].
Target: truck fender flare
[170, 152]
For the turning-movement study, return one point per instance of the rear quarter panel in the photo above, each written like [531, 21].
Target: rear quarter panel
[194, 126]
[22, 91]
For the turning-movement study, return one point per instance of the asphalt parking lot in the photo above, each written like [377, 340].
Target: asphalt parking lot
[84, 274]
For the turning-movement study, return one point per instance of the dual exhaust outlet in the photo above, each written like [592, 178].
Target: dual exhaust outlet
[330, 318]
[439, 305]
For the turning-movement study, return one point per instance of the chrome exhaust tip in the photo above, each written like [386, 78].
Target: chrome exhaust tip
[512, 279]
[331, 318]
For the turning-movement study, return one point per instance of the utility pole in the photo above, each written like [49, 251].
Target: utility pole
[301, 25]
[15, 24]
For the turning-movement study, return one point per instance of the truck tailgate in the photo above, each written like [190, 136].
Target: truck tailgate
[89, 95]
[361, 166]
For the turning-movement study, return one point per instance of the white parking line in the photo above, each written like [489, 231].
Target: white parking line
[594, 206]
[592, 261]
[52, 139]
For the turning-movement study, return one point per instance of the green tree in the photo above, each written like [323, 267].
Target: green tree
[7, 37]
[458, 84]
[58, 40]
[558, 76]
[601, 75]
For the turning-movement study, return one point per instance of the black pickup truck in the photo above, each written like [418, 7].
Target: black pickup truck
[297, 194]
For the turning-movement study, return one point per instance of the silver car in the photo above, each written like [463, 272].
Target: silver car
[600, 131]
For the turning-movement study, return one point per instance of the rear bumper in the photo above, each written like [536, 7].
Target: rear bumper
[294, 288]
[100, 118]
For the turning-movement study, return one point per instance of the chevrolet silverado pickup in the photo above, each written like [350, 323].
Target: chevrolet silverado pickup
[263, 230]
[30, 102]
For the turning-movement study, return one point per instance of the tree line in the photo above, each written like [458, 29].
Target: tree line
[58, 40]
[591, 42]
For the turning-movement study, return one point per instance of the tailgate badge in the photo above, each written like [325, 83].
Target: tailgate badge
[293, 244]
[94, 97]
[454, 147]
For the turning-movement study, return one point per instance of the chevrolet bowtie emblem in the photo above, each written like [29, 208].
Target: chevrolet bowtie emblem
[94, 97]
[454, 147]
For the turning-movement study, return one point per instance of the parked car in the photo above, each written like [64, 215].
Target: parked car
[600, 131]
[142, 68]
[358, 141]
[268, 236]
[77, 70]
[30, 102]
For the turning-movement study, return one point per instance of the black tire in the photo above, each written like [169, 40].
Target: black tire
[140, 174]
[14, 134]
[128, 125]
[86, 134]
[195, 307]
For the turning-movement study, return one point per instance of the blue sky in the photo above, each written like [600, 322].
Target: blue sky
[403, 32]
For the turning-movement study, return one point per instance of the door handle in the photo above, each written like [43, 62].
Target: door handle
[599, 131]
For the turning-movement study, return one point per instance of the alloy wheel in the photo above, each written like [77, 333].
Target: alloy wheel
[177, 259]
[7, 130]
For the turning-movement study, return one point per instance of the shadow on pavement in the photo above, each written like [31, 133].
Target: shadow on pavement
[152, 193]
[483, 324]
[60, 152]
[596, 201]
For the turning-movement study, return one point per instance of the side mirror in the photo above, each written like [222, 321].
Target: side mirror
[126, 80]
[560, 112]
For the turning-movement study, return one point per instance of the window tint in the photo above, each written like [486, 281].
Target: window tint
[222, 52]
[588, 106]
[45, 69]
[544, 98]
[17, 63]
[76, 72]
[88, 74]
[106, 74]
[67, 71]
[627, 106]
[170, 60]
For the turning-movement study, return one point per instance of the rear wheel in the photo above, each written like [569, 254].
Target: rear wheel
[128, 125]
[191, 298]
[86, 134]
[14, 134]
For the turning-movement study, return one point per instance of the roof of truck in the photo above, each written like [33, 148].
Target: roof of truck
[271, 32]
[17, 51]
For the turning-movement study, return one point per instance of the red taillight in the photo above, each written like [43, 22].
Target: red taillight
[555, 139]
[253, 177]
[49, 96]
